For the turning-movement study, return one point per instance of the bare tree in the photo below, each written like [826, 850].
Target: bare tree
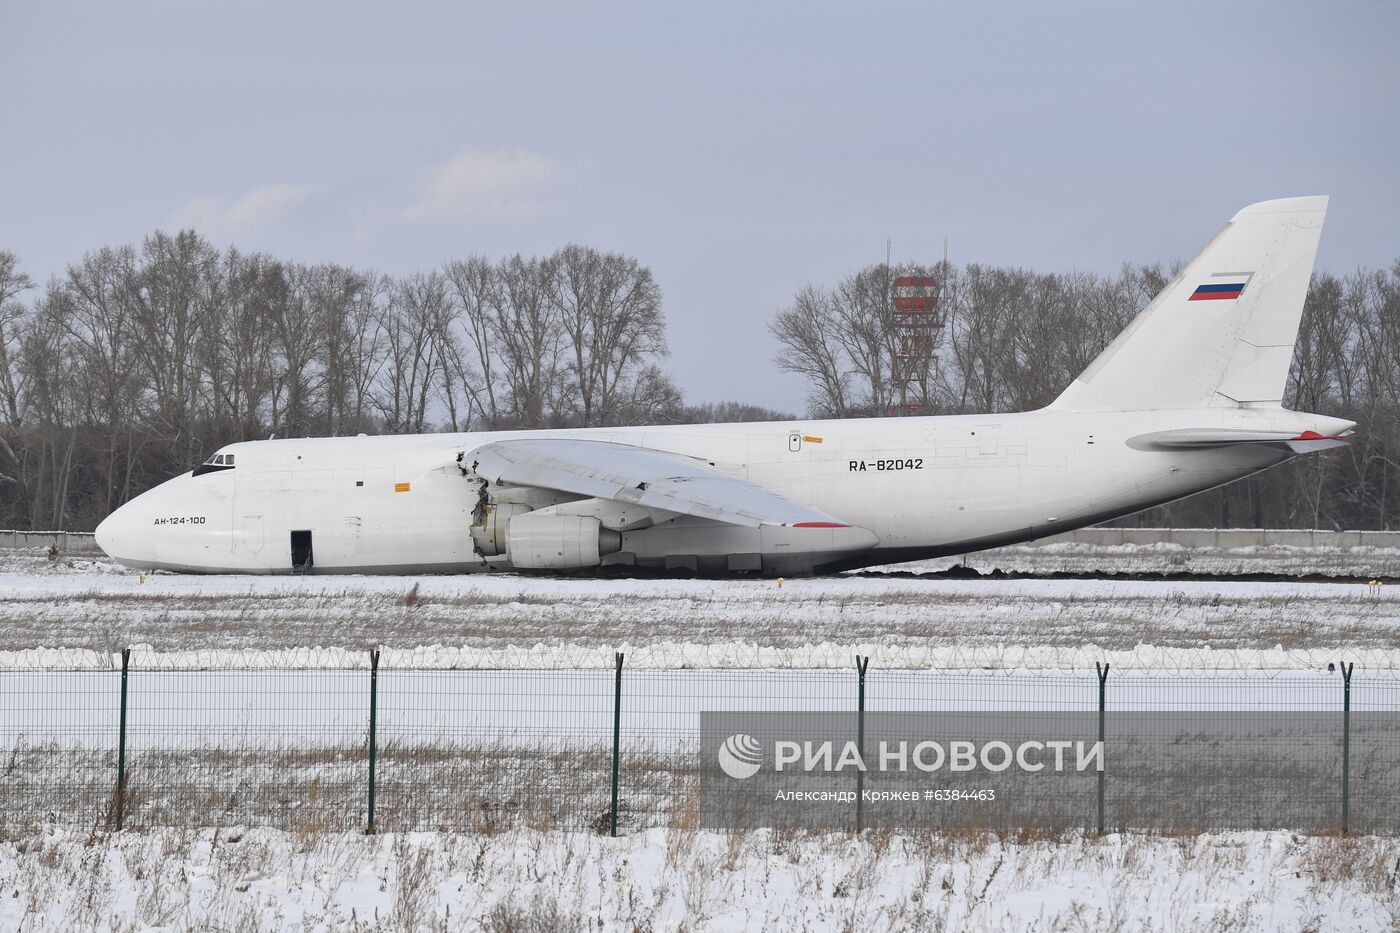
[13, 283]
[50, 368]
[339, 296]
[525, 327]
[175, 294]
[95, 308]
[240, 346]
[411, 320]
[651, 398]
[806, 331]
[469, 365]
[609, 307]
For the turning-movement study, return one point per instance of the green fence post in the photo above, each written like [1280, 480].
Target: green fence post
[121, 743]
[617, 743]
[1103, 693]
[373, 731]
[1346, 745]
[861, 665]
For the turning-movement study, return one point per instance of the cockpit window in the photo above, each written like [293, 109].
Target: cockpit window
[215, 464]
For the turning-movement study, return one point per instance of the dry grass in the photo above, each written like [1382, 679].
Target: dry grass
[503, 786]
[985, 613]
[684, 878]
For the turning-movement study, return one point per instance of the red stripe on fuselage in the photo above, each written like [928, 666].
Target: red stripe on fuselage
[1214, 296]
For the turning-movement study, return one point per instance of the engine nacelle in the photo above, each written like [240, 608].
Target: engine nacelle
[558, 542]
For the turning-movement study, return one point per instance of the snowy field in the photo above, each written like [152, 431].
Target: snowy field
[541, 650]
[1067, 557]
[686, 879]
[91, 603]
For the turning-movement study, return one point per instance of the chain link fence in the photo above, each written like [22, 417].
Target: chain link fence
[182, 740]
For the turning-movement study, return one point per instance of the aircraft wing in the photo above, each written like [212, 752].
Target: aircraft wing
[650, 478]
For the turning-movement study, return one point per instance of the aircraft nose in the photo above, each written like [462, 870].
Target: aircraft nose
[118, 536]
[103, 534]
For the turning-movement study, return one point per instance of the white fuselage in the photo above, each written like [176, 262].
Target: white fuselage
[923, 486]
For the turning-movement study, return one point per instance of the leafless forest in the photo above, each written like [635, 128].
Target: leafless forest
[140, 359]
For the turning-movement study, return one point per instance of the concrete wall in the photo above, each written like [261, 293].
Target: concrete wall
[68, 541]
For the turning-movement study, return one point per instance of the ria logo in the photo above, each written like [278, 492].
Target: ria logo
[740, 756]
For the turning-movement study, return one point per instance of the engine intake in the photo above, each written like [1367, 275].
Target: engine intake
[489, 533]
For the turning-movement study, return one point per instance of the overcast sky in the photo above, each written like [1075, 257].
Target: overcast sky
[739, 150]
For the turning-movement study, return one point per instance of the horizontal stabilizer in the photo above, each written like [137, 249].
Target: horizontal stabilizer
[1209, 438]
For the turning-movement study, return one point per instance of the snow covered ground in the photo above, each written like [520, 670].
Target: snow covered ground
[682, 878]
[1068, 557]
[1238, 642]
[90, 603]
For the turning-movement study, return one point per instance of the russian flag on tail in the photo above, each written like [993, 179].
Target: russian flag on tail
[1223, 286]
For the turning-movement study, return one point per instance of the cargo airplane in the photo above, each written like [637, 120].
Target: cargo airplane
[1187, 398]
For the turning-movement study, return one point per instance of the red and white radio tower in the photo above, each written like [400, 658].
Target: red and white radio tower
[915, 323]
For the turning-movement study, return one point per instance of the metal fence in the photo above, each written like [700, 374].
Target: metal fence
[610, 749]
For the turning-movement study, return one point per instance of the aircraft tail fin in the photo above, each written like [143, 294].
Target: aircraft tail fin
[1221, 334]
